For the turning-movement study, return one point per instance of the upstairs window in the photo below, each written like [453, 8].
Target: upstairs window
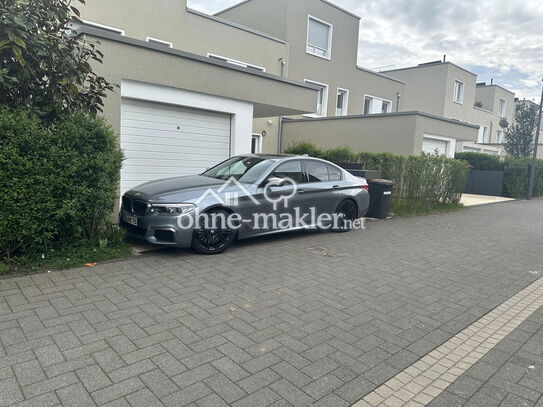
[499, 136]
[342, 102]
[319, 38]
[482, 137]
[458, 95]
[375, 105]
[502, 107]
[322, 98]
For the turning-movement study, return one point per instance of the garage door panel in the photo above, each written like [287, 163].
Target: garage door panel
[138, 120]
[134, 164]
[191, 148]
[430, 146]
[159, 155]
[154, 148]
[135, 109]
[173, 133]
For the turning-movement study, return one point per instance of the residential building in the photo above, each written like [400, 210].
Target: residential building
[448, 90]
[189, 85]
[367, 110]
[498, 142]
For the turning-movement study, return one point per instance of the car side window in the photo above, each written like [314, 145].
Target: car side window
[334, 173]
[290, 169]
[317, 171]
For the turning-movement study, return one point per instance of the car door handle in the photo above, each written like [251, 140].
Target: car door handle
[300, 191]
[335, 187]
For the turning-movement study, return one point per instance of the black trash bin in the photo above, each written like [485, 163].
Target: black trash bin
[380, 192]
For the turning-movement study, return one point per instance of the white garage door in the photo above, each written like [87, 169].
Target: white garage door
[162, 141]
[430, 146]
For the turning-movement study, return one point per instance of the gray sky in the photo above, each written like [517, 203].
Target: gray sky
[500, 39]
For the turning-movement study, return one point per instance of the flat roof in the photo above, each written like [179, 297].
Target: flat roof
[381, 115]
[379, 74]
[324, 1]
[428, 65]
[498, 86]
[81, 28]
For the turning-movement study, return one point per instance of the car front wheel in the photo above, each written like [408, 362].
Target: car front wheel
[213, 235]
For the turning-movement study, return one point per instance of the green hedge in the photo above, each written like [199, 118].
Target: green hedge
[480, 161]
[516, 172]
[420, 181]
[59, 183]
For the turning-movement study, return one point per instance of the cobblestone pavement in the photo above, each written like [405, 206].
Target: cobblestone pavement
[302, 319]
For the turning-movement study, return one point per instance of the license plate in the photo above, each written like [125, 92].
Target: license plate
[132, 220]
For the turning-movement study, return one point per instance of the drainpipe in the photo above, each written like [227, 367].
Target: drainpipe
[490, 133]
[398, 97]
[283, 64]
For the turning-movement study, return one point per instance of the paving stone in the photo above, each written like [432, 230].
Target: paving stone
[10, 392]
[75, 395]
[158, 383]
[225, 388]
[143, 398]
[93, 378]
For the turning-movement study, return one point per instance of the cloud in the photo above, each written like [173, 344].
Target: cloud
[500, 39]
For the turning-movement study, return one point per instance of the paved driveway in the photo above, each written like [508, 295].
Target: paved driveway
[308, 318]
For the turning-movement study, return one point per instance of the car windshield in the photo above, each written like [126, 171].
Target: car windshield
[244, 169]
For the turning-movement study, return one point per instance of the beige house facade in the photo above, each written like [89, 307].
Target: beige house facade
[450, 91]
[179, 106]
[194, 89]
[323, 41]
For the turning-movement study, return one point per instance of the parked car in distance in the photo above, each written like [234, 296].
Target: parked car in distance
[246, 195]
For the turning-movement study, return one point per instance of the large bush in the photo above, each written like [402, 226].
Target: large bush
[480, 161]
[420, 181]
[515, 172]
[59, 182]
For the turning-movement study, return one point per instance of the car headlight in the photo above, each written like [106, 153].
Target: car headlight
[172, 209]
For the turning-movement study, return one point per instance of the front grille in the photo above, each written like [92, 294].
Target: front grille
[135, 206]
[139, 207]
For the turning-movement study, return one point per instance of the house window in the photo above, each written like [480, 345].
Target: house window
[322, 98]
[256, 144]
[342, 102]
[235, 62]
[385, 107]
[458, 96]
[156, 41]
[483, 135]
[375, 105]
[502, 107]
[319, 38]
[104, 27]
[499, 136]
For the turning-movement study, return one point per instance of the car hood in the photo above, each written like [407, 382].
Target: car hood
[178, 189]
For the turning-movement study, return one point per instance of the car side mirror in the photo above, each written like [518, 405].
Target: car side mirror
[275, 182]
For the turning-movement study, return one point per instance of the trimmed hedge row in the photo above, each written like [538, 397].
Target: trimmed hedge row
[59, 183]
[516, 172]
[420, 181]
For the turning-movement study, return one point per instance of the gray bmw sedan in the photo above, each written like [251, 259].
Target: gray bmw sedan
[242, 197]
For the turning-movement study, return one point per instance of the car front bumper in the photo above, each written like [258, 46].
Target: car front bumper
[173, 231]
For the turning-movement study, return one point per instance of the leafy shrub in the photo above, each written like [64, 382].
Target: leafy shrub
[419, 182]
[59, 183]
[480, 161]
[516, 174]
[304, 147]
